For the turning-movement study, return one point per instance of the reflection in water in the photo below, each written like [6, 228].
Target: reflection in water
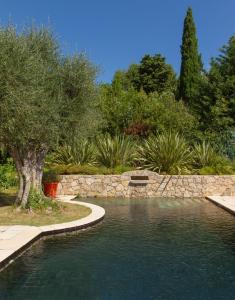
[144, 249]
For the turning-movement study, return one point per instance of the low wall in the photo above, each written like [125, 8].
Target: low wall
[156, 185]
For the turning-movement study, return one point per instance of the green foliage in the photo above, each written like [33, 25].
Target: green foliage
[216, 105]
[44, 96]
[219, 92]
[50, 175]
[8, 176]
[77, 169]
[165, 114]
[122, 169]
[155, 75]
[133, 77]
[120, 82]
[207, 161]
[152, 74]
[119, 111]
[204, 155]
[191, 65]
[89, 170]
[218, 169]
[3, 155]
[78, 93]
[136, 113]
[79, 152]
[62, 155]
[28, 95]
[112, 152]
[165, 153]
[37, 201]
[226, 61]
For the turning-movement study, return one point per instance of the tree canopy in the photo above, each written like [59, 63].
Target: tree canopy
[191, 65]
[155, 75]
[40, 93]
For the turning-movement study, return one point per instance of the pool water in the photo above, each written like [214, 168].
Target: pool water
[164, 249]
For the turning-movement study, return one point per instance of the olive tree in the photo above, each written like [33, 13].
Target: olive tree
[40, 94]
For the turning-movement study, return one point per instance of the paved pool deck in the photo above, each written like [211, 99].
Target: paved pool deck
[226, 202]
[15, 239]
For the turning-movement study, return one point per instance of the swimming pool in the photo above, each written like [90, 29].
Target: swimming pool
[144, 249]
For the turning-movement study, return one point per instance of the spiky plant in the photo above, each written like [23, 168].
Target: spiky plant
[84, 152]
[204, 155]
[165, 153]
[80, 152]
[62, 155]
[114, 151]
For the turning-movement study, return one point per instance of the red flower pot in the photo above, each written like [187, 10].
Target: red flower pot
[50, 189]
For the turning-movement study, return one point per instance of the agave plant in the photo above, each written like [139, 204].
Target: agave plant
[80, 152]
[165, 153]
[113, 152]
[204, 155]
[62, 155]
[84, 152]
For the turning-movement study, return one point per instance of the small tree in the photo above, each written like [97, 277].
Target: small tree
[39, 95]
[191, 65]
[155, 75]
[222, 77]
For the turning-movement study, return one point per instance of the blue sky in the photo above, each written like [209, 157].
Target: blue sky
[116, 33]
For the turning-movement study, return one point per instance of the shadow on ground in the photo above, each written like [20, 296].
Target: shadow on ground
[7, 197]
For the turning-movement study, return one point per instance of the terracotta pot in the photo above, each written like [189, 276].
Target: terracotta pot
[50, 189]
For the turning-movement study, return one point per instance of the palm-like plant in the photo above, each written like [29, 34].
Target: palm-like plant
[84, 152]
[112, 152]
[204, 155]
[165, 153]
[62, 155]
[80, 152]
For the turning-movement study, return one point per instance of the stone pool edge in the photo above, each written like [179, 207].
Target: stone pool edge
[10, 249]
[225, 202]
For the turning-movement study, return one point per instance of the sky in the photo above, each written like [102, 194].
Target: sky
[117, 33]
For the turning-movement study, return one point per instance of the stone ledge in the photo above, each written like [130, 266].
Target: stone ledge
[226, 202]
[14, 240]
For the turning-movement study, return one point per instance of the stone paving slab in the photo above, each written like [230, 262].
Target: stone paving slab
[227, 202]
[14, 239]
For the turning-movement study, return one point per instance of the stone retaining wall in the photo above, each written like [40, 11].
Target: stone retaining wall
[156, 186]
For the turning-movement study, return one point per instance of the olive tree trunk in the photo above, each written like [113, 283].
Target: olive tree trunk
[30, 169]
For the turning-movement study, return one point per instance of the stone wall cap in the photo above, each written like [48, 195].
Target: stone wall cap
[140, 173]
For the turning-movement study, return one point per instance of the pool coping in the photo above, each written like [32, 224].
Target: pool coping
[225, 202]
[15, 239]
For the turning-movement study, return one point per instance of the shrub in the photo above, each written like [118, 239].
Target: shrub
[217, 170]
[8, 176]
[50, 175]
[38, 201]
[89, 170]
[60, 169]
[122, 169]
[165, 153]
[116, 151]
[85, 169]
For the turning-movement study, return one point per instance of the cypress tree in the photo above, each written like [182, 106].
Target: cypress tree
[191, 65]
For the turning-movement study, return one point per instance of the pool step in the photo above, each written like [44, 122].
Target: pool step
[139, 180]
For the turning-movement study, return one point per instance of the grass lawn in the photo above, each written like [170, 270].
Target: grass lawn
[10, 216]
